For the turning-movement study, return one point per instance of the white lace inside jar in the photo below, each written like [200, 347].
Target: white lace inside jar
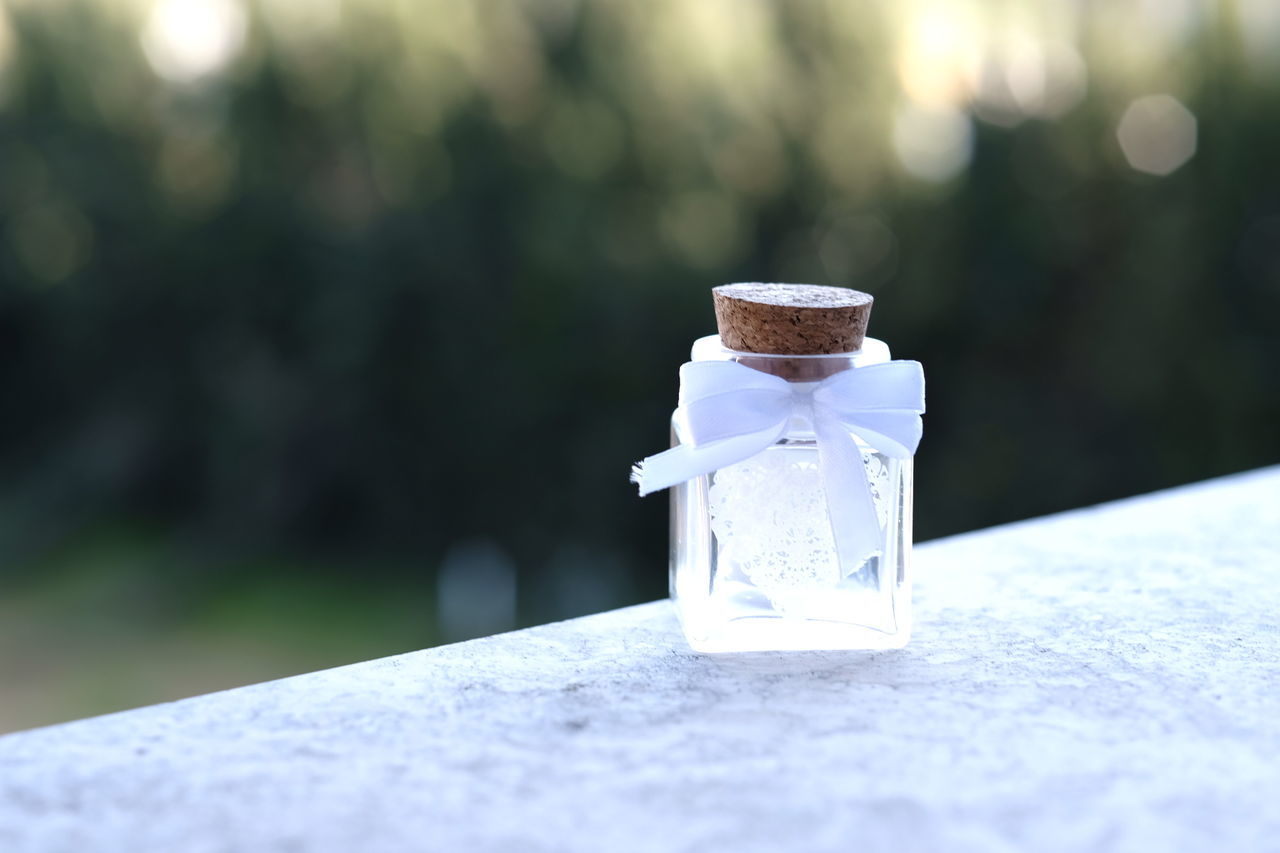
[769, 517]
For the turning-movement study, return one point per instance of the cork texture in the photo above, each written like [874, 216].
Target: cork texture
[791, 319]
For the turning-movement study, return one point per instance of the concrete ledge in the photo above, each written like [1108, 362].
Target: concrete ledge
[1104, 679]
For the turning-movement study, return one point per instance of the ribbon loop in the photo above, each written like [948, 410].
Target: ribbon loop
[731, 412]
[893, 385]
[699, 379]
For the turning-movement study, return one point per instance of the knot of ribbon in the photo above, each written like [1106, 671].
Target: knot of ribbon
[730, 412]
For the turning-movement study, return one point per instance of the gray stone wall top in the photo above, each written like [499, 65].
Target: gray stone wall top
[1106, 679]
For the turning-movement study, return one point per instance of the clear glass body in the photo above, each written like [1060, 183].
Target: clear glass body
[754, 565]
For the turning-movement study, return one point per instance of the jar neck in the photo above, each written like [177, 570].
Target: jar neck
[793, 368]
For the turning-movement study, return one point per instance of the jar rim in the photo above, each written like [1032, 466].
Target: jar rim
[711, 348]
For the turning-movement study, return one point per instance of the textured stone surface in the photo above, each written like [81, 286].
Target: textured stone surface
[1108, 679]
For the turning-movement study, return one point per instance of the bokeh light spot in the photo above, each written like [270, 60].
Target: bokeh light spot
[858, 250]
[1024, 78]
[1066, 80]
[475, 591]
[752, 163]
[938, 57]
[1260, 32]
[1157, 134]
[52, 240]
[186, 40]
[196, 170]
[583, 138]
[703, 227]
[933, 143]
[8, 45]
[302, 24]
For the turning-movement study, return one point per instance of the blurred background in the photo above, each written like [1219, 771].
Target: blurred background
[330, 328]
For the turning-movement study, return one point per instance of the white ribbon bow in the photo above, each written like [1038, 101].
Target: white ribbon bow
[733, 412]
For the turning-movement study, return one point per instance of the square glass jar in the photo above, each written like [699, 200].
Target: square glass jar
[754, 565]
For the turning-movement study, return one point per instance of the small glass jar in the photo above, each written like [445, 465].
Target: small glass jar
[754, 564]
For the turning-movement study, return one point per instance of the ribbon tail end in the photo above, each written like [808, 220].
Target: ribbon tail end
[637, 477]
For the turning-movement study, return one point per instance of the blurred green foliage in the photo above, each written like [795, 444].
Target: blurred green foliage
[353, 284]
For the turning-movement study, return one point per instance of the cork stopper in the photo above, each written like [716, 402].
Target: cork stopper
[791, 319]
